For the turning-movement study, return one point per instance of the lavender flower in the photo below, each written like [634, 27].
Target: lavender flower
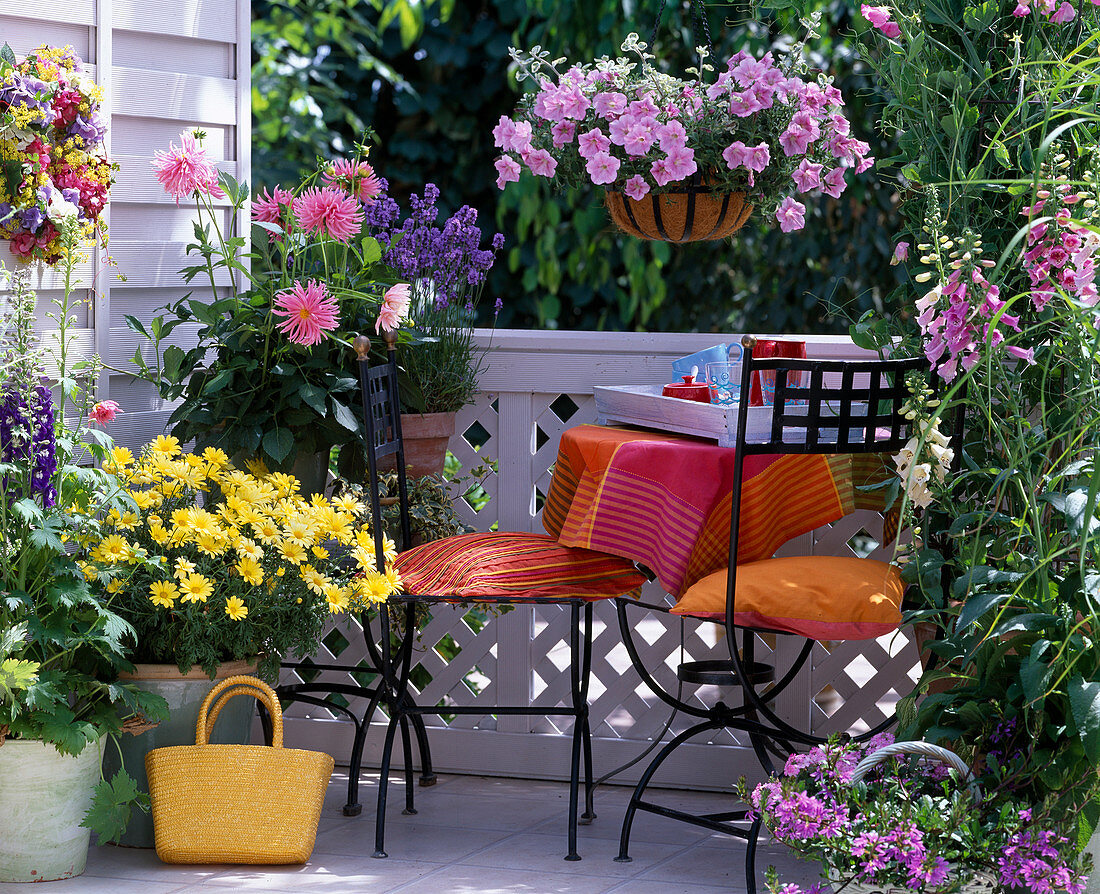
[27, 441]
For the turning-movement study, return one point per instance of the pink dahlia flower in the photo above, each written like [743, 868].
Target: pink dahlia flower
[186, 170]
[269, 207]
[104, 412]
[330, 212]
[358, 178]
[309, 312]
[395, 307]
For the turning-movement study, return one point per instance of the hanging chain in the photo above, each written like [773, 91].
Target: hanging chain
[698, 17]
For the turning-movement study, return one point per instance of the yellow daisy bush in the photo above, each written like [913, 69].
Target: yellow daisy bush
[211, 563]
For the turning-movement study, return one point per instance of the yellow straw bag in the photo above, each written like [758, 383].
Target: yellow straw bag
[236, 803]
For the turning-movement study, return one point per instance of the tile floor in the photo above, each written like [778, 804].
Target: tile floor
[471, 835]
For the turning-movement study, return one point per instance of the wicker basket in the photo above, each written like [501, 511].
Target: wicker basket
[236, 803]
[687, 213]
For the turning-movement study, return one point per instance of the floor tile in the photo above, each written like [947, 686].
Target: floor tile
[144, 864]
[85, 884]
[539, 853]
[409, 840]
[324, 872]
[487, 880]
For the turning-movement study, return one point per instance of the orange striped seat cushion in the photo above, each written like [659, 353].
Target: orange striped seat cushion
[506, 565]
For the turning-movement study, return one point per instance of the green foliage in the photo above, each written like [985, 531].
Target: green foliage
[433, 106]
[113, 803]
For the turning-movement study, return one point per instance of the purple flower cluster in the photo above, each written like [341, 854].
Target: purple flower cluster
[444, 263]
[1033, 860]
[22, 91]
[27, 440]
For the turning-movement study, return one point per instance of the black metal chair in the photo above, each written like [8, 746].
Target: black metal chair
[381, 409]
[841, 407]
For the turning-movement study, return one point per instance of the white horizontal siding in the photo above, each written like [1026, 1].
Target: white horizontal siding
[183, 97]
[199, 19]
[24, 34]
[48, 12]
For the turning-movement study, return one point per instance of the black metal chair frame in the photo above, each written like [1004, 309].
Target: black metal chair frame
[381, 411]
[815, 417]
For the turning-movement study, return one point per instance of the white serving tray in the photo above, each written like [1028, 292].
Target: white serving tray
[646, 407]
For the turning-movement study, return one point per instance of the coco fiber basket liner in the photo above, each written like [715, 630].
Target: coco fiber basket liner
[236, 803]
[686, 214]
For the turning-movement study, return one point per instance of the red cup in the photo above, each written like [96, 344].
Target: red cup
[767, 347]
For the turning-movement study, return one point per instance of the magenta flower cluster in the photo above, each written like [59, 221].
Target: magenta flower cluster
[1061, 252]
[910, 825]
[642, 133]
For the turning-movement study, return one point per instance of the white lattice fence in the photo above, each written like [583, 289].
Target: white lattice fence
[536, 386]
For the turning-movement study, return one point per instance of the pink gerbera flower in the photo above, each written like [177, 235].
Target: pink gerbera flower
[330, 212]
[358, 178]
[394, 309]
[104, 412]
[186, 170]
[310, 312]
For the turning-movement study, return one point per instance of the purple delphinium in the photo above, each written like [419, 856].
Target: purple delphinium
[27, 440]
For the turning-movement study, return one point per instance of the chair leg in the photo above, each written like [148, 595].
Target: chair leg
[410, 769]
[580, 705]
[643, 783]
[362, 727]
[383, 786]
[750, 857]
[589, 791]
[427, 774]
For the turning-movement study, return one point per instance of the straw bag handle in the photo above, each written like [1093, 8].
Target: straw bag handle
[922, 749]
[240, 685]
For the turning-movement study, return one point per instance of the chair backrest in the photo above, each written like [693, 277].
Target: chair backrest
[820, 406]
[382, 424]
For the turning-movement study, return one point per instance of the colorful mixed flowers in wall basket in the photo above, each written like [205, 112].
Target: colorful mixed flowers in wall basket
[760, 135]
[905, 817]
[212, 564]
[52, 158]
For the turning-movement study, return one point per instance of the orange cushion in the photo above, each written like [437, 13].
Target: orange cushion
[507, 565]
[819, 597]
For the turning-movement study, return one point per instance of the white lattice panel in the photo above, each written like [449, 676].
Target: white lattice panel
[522, 656]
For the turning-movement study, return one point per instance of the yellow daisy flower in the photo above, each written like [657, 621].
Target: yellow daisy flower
[146, 499]
[250, 548]
[129, 520]
[376, 588]
[211, 544]
[347, 503]
[292, 552]
[112, 548]
[300, 530]
[215, 457]
[182, 568]
[266, 530]
[320, 552]
[195, 588]
[256, 467]
[334, 525]
[163, 593]
[235, 608]
[166, 445]
[121, 457]
[364, 558]
[250, 570]
[314, 579]
[115, 585]
[336, 597]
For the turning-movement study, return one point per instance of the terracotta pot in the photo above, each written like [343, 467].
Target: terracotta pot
[425, 436]
[687, 214]
[184, 694]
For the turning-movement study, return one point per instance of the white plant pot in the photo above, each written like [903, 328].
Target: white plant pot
[1093, 848]
[43, 798]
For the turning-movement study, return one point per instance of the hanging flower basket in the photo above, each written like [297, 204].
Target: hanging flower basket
[689, 213]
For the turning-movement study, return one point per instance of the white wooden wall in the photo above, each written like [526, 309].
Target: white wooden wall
[166, 66]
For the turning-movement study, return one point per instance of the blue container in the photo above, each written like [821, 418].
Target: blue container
[700, 359]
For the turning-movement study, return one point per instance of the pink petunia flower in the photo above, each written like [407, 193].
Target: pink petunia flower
[310, 312]
[104, 412]
[563, 133]
[541, 163]
[636, 187]
[671, 135]
[736, 155]
[807, 175]
[610, 104]
[759, 157]
[602, 168]
[798, 136]
[507, 170]
[681, 162]
[503, 132]
[187, 170]
[330, 212]
[269, 207]
[791, 215]
[639, 139]
[395, 307]
[358, 179]
[592, 141]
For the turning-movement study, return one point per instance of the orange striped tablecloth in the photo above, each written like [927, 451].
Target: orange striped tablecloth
[664, 500]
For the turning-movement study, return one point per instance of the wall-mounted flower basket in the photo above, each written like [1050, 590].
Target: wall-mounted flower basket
[687, 214]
